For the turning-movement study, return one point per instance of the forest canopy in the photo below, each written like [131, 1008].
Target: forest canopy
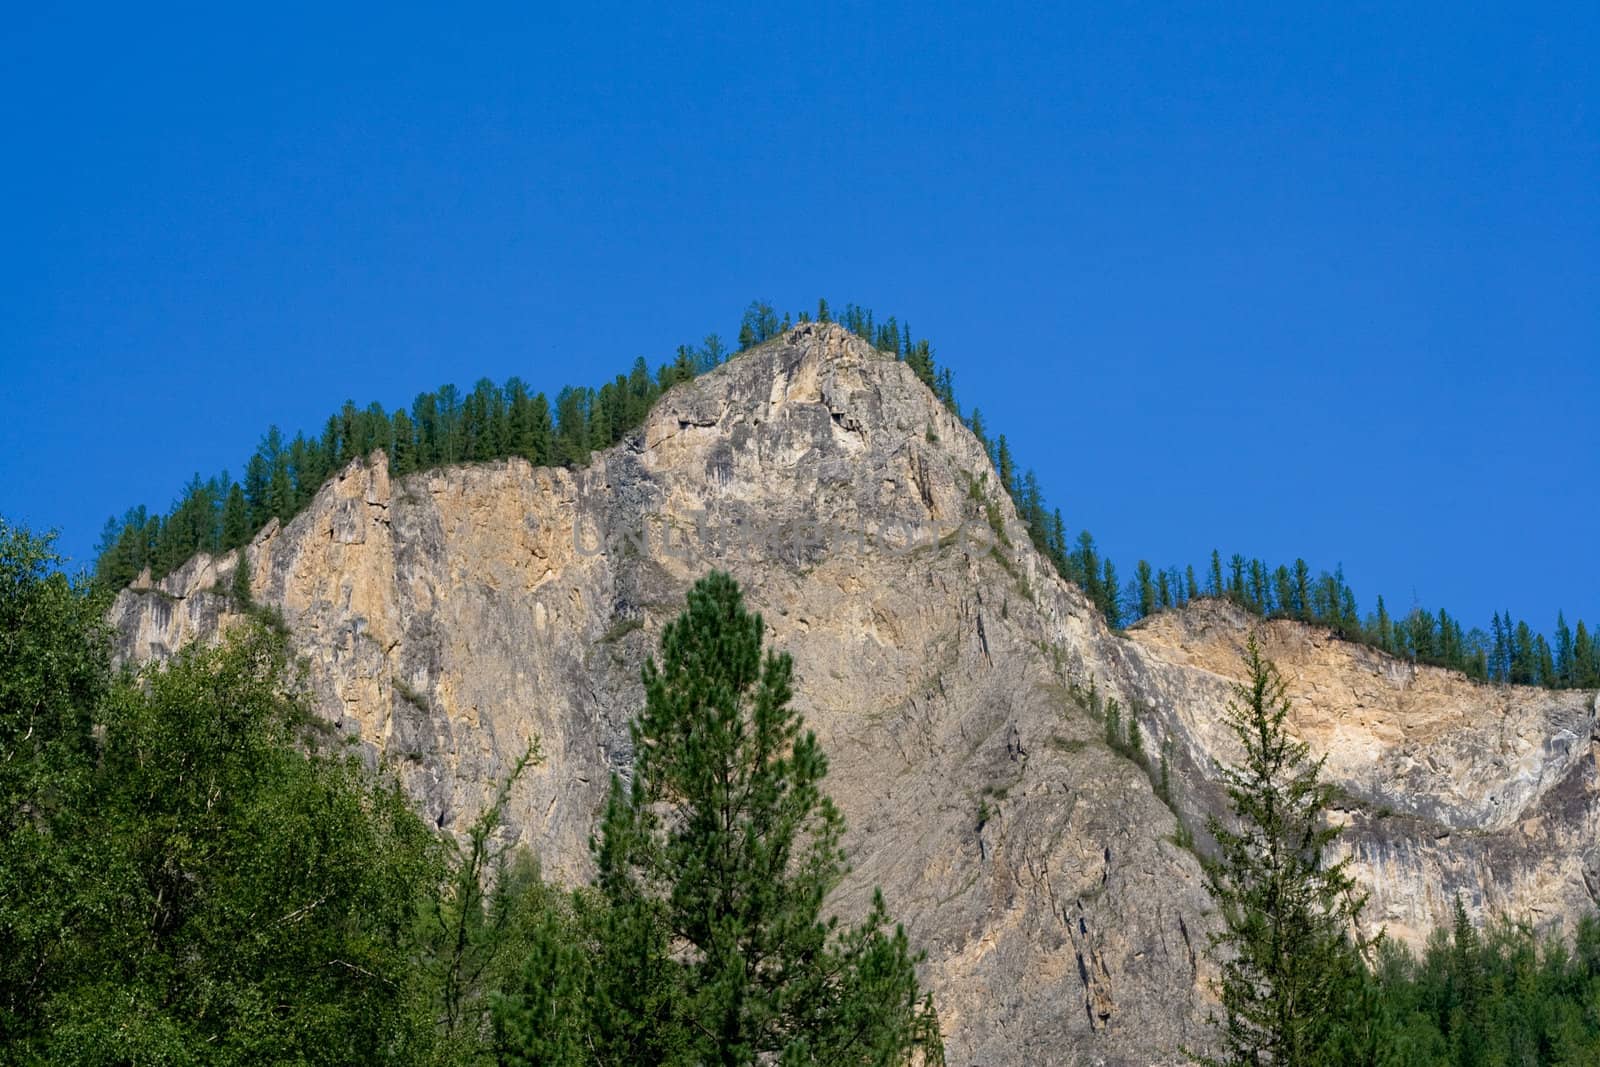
[495, 421]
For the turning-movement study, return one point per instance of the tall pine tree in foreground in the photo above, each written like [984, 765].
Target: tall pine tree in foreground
[706, 939]
[1290, 949]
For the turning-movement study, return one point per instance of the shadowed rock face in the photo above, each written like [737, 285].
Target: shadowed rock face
[448, 617]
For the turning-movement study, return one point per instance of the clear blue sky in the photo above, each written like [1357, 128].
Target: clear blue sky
[1288, 282]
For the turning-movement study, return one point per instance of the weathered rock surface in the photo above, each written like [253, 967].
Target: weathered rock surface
[448, 617]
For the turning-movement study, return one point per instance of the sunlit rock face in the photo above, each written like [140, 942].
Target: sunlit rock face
[445, 619]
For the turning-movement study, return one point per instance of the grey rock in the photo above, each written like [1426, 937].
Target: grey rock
[446, 618]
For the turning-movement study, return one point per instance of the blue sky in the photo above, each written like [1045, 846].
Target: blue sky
[1280, 279]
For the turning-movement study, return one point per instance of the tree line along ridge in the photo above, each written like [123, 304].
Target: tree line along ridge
[446, 426]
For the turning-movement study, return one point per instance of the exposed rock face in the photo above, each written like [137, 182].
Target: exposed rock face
[448, 617]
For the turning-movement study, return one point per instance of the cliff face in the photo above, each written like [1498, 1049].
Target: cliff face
[447, 618]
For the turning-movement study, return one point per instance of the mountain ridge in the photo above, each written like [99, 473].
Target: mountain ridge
[447, 616]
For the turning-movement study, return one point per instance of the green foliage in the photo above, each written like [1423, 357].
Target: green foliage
[705, 940]
[493, 422]
[1507, 996]
[476, 932]
[442, 427]
[187, 877]
[218, 892]
[54, 675]
[1289, 951]
[239, 588]
[1114, 735]
[224, 890]
[1511, 652]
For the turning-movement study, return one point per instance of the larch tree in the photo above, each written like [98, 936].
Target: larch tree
[1290, 947]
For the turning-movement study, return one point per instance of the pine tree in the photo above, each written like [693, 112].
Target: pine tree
[1382, 628]
[1006, 467]
[280, 489]
[235, 518]
[1543, 662]
[1111, 596]
[1500, 655]
[1286, 952]
[448, 421]
[1465, 991]
[712, 354]
[1565, 673]
[1524, 664]
[539, 447]
[1302, 590]
[256, 476]
[572, 429]
[403, 458]
[1143, 576]
[1586, 672]
[760, 323]
[1086, 567]
[975, 424]
[714, 868]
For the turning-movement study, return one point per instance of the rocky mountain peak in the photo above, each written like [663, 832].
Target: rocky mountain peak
[447, 617]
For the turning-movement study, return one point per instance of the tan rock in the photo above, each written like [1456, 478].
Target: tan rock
[448, 617]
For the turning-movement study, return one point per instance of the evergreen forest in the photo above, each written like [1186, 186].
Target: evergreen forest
[491, 422]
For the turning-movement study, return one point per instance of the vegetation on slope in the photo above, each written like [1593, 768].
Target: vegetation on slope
[1299, 984]
[194, 870]
[445, 427]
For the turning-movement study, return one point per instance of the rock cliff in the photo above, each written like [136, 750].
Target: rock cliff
[447, 617]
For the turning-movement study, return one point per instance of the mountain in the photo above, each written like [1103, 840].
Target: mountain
[956, 682]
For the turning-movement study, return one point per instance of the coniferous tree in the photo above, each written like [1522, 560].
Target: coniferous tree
[403, 458]
[1302, 590]
[975, 424]
[1524, 664]
[1583, 658]
[714, 867]
[713, 353]
[572, 427]
[424, 420]
[379, 432]
[1086, 567]
[493, 422]
[1005, 465]
[1288, 951]
[760, 323]
[1564, 672]
[641, 392]
[1147, 590]
[451, 439]
[1383, 635]
[1544, 662]
[1111, 596]
[235, 518]
[541, 433]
